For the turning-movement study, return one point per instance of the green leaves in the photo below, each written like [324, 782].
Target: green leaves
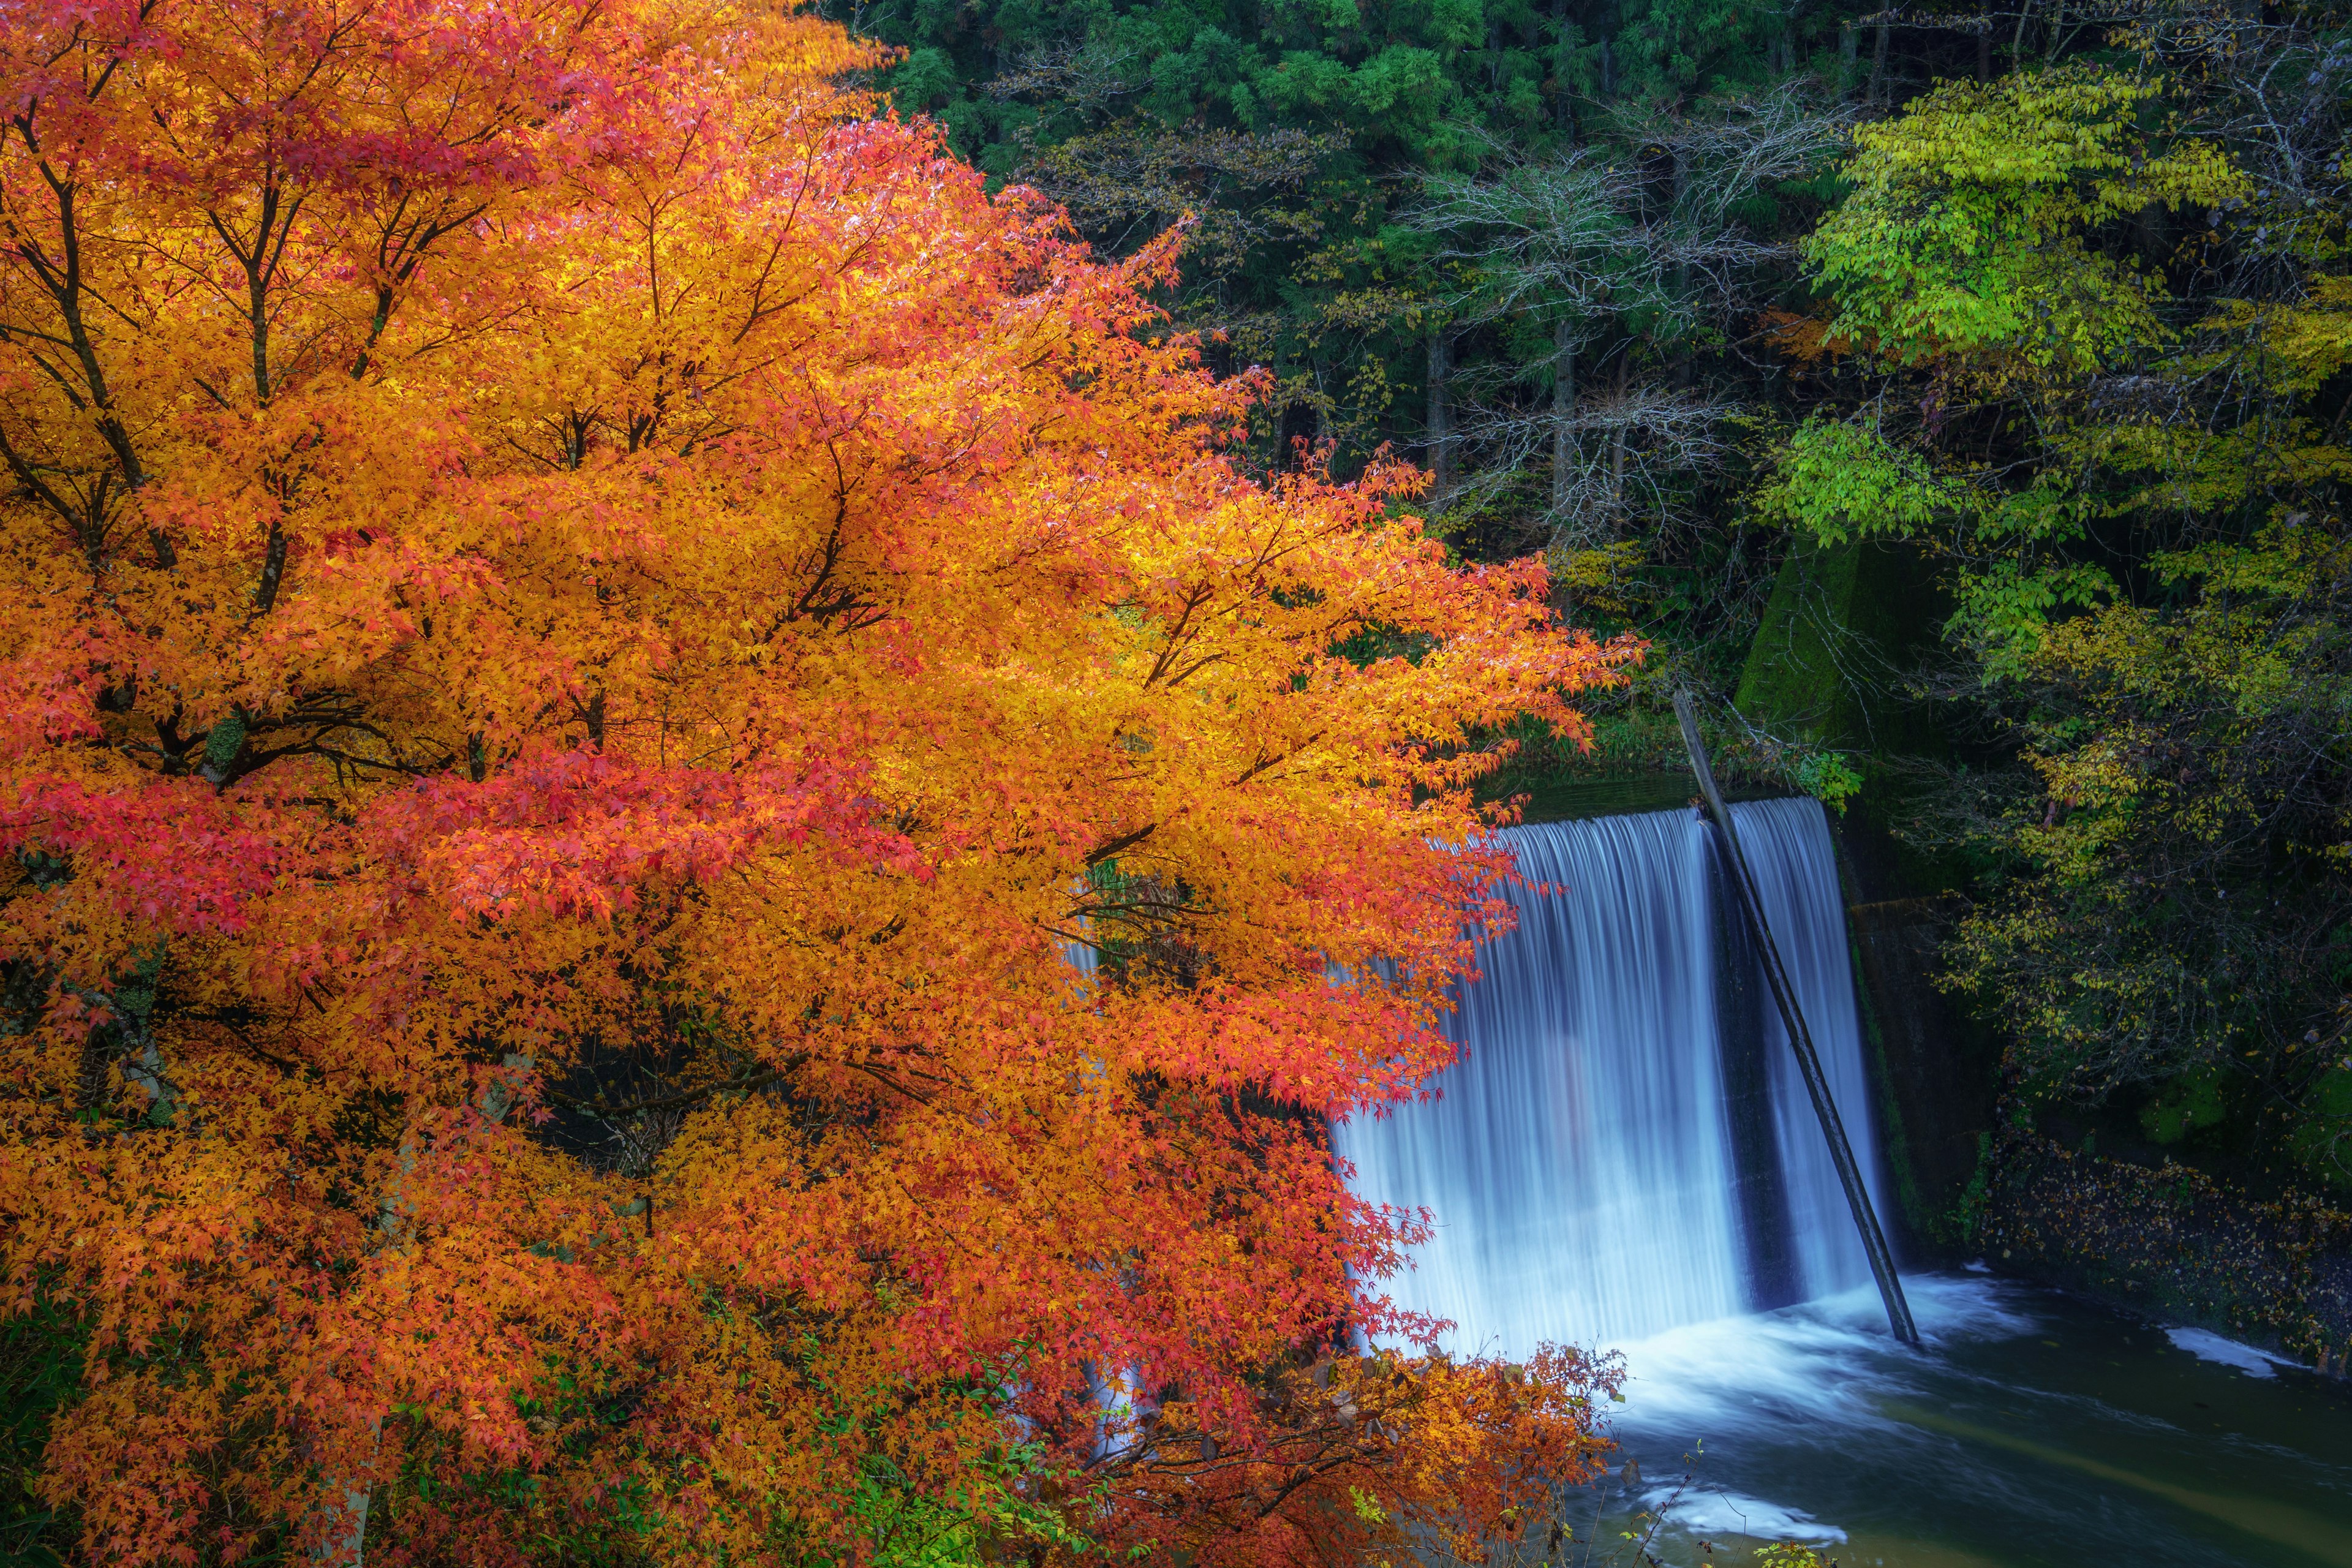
[1828, 778]
[1966, 233]
[1968, 248]
[1840, 479]
[41, 1352]
[1844, 479]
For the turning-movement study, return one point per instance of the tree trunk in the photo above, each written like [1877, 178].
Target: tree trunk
[345, 1543]
[1682, 273]
[1563, 107]
[1563, 417]
[273, 570]
[1878, 65]
[1617, 448]
[1849, 59]
[1440, 417]
[342, 1514]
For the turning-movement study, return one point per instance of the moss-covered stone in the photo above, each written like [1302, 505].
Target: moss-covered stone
[1843, 624]
[1935, 1072]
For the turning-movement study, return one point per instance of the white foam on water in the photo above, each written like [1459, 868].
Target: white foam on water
[1829, 1368]
[1826, 1363]
[2213, 1347]
[1713, 1512]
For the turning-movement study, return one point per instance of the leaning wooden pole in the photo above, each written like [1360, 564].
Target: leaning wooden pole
[1808, 1061]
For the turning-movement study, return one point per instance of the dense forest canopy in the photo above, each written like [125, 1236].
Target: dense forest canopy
[1537, 245]
[1294, 137]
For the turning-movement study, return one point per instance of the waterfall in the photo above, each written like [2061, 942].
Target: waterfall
[1787, 843]
[1626, 1145]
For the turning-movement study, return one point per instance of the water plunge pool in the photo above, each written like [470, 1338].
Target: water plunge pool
[2035, 1430]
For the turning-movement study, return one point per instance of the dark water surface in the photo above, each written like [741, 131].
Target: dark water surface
[2035, 1429]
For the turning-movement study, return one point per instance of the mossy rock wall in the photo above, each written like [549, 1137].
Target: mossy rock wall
[1843, 623]
[1936, 1075]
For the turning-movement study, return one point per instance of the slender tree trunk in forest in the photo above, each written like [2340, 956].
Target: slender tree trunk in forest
[1563, 110]
[1682, 271]
[1984, 52]
[345, 1543]
[1617, 446]
[342, 1539]
[1440, 417]
[1563, 418]
[1878, 65]
[1849, 59]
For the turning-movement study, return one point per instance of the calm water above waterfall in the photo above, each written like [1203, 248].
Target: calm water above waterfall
[1626, 1158]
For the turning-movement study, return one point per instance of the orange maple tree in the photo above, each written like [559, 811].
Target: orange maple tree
[691, 866]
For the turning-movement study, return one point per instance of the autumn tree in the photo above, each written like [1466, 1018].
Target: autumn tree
[589, 627]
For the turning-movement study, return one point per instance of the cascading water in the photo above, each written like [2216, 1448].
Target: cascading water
[1626, 1145]
[1787, 843]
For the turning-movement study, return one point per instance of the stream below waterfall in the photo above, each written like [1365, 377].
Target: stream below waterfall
[2035, 1431]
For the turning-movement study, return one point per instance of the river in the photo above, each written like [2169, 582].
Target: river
[2033, 1430]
